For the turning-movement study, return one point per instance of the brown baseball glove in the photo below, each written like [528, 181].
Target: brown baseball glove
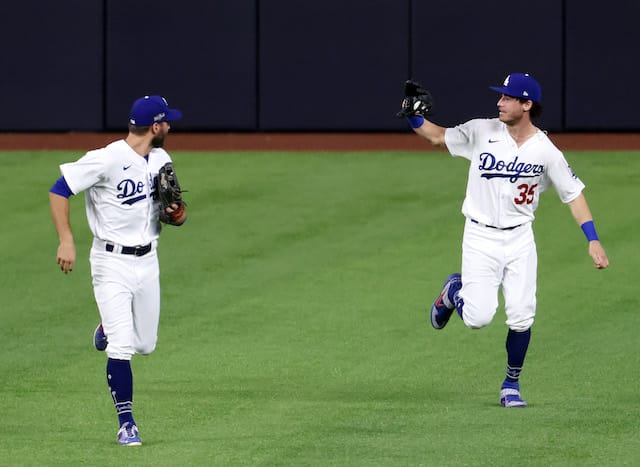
[169, 193]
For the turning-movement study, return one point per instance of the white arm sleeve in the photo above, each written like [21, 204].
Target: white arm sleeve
[85, 172]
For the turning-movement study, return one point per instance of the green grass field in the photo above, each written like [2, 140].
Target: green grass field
[294, 329]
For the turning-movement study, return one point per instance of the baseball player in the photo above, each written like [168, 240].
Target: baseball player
[119, 182]
[511, 163]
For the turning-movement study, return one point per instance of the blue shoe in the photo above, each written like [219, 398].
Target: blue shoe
[510, 395]
[99, 339]
[443, 306]
[128, 435]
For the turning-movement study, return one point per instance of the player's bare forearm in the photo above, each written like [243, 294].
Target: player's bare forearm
[580, 210]
[66, 256]
[60, 213]
[582, 214]
[431, 132]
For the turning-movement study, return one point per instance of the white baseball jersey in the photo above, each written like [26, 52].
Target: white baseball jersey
[119, 185]
[505, 181]
[503, 189]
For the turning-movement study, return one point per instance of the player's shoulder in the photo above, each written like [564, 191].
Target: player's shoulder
[112, 150]
[542, 136]
[157, 158]
[115, 153]
[117, 147]
[483, 125]
[160, 155]
[97, 155]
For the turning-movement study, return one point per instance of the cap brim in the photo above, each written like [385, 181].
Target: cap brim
[506, 92]
[501, 89]
[171, 115]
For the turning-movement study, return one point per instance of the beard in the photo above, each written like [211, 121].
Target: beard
[158, 140]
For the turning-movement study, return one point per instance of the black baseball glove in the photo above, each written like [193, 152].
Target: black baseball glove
[417, 101]
[169, 193]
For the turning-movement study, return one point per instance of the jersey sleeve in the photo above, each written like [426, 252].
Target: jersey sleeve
[162, 155]
[461, 139]
[85, 172]
[564, 180]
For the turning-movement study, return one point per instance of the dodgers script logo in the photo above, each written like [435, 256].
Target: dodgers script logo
[130, 191]
[513, 170]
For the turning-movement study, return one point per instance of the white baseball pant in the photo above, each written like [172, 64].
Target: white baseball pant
[490, 258]
[127, 292]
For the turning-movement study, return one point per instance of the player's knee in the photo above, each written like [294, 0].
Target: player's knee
[474, 319]
[475, 322]
[475, 316]
[145, 348]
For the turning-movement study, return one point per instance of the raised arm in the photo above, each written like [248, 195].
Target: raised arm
[582, 214]
[430, 131]
[416, 106]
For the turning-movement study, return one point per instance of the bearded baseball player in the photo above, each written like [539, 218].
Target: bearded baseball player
[511, 163]
[129, 188]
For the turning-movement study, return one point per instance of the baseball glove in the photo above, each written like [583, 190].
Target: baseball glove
[169, 193]
[417, 101]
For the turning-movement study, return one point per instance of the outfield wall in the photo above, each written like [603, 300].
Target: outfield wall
[332, 65]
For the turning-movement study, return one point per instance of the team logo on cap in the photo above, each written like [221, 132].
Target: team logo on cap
[159, 117]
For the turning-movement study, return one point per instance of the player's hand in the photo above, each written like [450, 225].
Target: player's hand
[417, 101]
[599, 256]
[66, 256]
[177, 212]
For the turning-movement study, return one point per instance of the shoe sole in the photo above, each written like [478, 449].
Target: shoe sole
[133, 443]
[518, 405]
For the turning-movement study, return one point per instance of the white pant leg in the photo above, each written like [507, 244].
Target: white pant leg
[482, 266]
[146, 304]
[113, 282]
[520, 277]
[127, 292]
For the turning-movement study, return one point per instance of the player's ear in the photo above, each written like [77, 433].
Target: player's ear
[527, 105]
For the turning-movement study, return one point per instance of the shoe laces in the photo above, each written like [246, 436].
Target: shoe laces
[129, 430]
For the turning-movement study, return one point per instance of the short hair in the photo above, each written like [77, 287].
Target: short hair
[138, 130]
[536, 108]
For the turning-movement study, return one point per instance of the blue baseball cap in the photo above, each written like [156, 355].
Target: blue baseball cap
[520, 85]
[152, 109]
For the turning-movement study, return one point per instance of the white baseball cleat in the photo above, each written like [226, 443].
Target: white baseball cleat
[510, 396]
[128, 435]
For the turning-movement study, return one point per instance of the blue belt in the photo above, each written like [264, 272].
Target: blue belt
[494, 227]
[131, 250]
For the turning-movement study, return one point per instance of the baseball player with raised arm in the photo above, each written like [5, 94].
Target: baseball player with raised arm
[122, 208]
[511, 163]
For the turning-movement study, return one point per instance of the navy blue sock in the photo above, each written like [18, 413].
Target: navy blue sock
[120, 381]
[517, 345]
